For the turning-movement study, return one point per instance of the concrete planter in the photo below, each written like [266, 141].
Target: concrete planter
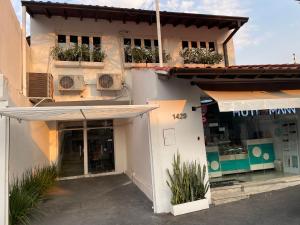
[141, 65]
[202, 65]
[77, 64]
[189, 207]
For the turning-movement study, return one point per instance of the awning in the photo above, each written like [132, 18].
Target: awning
[255, 100]
[67, 113]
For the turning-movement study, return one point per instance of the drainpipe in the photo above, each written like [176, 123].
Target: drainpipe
[24, 45]
[226, 58]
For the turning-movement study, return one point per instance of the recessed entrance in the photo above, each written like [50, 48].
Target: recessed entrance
[99, 156]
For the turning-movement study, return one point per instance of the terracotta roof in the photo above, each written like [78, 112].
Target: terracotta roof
[50, 9]
[241, 77]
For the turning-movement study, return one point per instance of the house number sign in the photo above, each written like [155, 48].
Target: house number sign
[179, 116]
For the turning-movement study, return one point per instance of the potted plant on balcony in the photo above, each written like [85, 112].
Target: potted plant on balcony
[200, 56]
[78, 56]
[189, 186]
[144, 56]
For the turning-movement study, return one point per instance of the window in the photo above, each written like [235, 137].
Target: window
[97, 42]
[147, 44]
[62, 40]
[202, 44]
[138, 43]
[185, 44]
[127, 45]
[194, 44]
[211, 46]
[155, 43]
[73, 40]
[85, 40]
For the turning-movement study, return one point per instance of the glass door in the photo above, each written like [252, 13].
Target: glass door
[101, 150]
[290, 147]
[71, 153]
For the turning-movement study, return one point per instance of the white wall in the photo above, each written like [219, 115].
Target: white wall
[43, 38]
[173, 96]
[28, 141]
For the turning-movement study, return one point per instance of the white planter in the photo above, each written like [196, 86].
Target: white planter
[190, 207]
[74, 64]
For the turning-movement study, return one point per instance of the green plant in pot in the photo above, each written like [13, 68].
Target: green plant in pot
[200, 56]
[98, 55]
[187, 181]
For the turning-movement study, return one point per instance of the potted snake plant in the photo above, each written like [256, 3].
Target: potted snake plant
[189, 187]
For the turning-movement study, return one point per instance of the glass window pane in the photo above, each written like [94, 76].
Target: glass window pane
[211, 46]
[72, 155]
[147, 43]
[62, 40]
[137, 42]
[97, 42]
[202, 44]
[70, 125]
[185, 44]
[73, 39]
[194, 44]
[99, 123]
[85, 40]
[101, 150]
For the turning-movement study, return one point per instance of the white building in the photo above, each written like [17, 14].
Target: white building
[123, 116]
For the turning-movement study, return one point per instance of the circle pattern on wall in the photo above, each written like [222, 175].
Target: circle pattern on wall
[257, 152]
[215, 165]
[266, 156]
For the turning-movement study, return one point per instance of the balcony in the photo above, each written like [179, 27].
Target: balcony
[78, 56]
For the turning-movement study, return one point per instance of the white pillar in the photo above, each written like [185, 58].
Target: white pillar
[24, 45]
[161, 62]
[4, 159]
[85, 148]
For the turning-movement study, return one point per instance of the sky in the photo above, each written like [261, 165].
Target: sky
[271, 36]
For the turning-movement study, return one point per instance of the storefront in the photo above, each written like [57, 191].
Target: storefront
[250, 118]
[251, 140]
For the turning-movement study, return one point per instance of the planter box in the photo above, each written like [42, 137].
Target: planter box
[77, 64]
[203, 65]
[190, 207]
[141, 65]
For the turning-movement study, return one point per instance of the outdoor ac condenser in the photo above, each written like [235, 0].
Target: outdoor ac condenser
[71, 83]
[109, 82]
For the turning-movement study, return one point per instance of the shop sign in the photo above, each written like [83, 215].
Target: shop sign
[270, 112]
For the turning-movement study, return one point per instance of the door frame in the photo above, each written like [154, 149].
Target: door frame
[85, 130]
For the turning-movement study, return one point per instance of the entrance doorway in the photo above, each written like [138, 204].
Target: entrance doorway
[86, 148]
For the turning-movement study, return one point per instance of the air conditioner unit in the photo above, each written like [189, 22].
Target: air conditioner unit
[39, 85]
[109, 82]
[71, 83]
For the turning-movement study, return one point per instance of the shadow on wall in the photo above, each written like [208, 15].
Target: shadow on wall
[29, 146]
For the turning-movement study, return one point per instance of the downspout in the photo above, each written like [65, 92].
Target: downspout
[226, 58]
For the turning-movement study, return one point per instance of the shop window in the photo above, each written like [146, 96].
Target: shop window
[185, 44]
[62, 40]
[211, 46]
[194, 44]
